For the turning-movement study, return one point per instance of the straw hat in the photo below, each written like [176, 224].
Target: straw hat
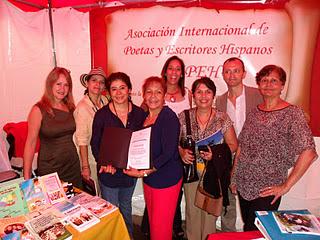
[95, 71]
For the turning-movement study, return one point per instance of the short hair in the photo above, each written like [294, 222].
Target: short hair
[181, 82]
[154, 79]
[206, 81]
[266, 70]
[118, 76]
[234, 59]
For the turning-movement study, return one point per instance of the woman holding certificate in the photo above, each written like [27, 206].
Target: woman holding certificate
[162, 183]
[117, 187]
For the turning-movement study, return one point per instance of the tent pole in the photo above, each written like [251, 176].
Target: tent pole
[52, 34]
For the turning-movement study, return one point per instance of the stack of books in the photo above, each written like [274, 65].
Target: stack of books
[288, 224]
[38, 208]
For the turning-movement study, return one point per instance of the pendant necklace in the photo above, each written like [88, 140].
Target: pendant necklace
[173, 98]
[203, 124]
[95, 108]
[115, 110]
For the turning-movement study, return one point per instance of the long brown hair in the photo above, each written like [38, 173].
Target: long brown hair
[47, 99]
[181, 81]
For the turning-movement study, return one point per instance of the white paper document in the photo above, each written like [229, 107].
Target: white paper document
[139, 149]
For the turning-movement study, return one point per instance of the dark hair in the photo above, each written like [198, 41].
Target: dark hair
[206, 81]
[118, 76]
[234, 59]
[153, 79]
[266, 70]
[181, 82]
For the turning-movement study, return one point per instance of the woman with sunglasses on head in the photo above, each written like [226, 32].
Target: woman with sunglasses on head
[51, 119]
[117, 187]
[92, 101]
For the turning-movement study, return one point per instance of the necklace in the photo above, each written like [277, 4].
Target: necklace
[173, 97]
[95, 108]
[126, 117]
[206, 123]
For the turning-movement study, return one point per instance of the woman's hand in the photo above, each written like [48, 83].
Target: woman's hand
[186, 155]
[233, 188]
[132, 172]
[206, 155]
[107, 169]
[276, 191]
[86, 173]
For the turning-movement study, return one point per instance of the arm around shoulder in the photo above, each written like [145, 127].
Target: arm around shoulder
[34, 123]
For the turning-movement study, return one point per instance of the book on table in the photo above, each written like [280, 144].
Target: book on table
[48, 226]
[124, 148]
[52, 188]
[14, 228]
[100, 207]
[33, 194]
[12, 203]
[288, 224]
[80, 218]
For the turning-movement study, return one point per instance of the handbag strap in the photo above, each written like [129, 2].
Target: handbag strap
[188, 124]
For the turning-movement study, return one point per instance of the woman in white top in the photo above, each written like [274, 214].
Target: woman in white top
[177, 97]
[92, 101]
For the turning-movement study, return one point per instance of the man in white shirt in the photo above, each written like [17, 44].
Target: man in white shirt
[237, 102]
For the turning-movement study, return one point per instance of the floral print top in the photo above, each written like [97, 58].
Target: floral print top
[270, 143]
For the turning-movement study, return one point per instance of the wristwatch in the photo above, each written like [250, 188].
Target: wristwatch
[145, 173]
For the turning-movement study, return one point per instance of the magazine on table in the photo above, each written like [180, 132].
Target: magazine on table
[80, 218]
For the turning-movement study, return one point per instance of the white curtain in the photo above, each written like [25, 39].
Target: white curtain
[26, 55]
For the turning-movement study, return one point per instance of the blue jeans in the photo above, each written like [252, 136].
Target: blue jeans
[122, 198]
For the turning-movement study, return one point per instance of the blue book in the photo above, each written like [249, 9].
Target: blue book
[273, 226]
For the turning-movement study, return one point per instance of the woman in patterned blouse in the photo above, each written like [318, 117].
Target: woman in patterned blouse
[274, 138]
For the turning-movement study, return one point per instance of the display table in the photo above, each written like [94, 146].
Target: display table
[110, 227]
[235, 235]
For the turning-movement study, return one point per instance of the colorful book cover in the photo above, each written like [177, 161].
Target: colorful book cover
[52, 188]
[23, 234]
[81, 218]
[297, 223]
[100, 207]
[47, 227]
[268, 226]
[81, 198]
[33, 194]
[11, 201]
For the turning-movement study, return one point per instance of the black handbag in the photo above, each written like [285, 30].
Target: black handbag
[190, 173]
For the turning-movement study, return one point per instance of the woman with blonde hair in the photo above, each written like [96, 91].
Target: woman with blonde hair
[51, 119]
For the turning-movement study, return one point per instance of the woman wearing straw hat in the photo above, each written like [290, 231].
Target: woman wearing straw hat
[92, 101]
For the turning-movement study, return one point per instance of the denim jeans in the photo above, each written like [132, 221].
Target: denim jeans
[122, 198]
